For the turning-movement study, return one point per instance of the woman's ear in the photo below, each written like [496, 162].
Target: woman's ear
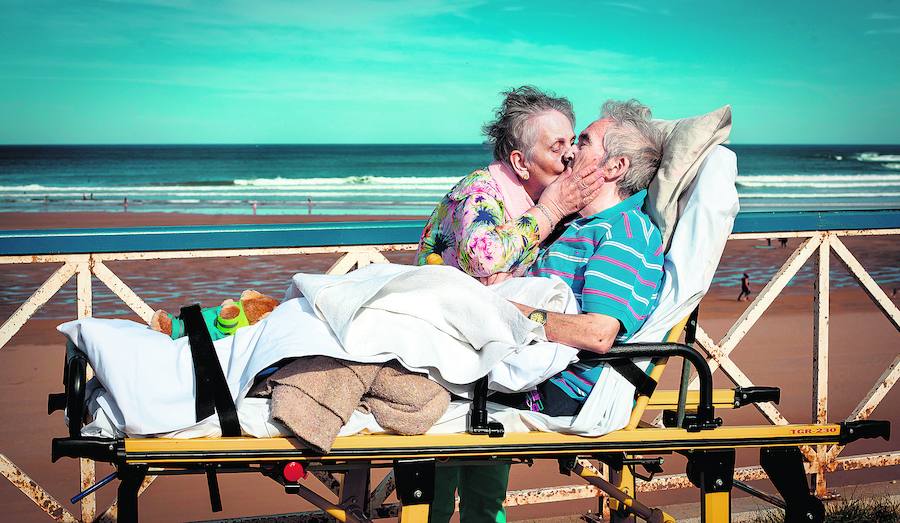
[517, 162]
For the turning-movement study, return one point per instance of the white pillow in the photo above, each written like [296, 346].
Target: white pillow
[688, 141]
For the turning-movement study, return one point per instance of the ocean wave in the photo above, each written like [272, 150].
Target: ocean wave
[768, 205]
[820, 185]
[810, 196]
[349, 180]
[895, 166]
[828, 181]
[876, 157]
[234, 196]
[41, 190]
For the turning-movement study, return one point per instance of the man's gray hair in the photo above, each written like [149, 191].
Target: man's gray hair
[633, 136]
[513, 127]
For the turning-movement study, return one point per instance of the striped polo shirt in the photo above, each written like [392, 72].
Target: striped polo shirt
[613, 261]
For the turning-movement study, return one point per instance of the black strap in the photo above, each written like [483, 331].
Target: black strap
[690, 332]
[644, 385]
[212, 388]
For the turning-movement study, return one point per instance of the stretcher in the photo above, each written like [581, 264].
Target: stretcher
[691, 429]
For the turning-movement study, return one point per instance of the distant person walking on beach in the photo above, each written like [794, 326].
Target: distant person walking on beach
[745, 288]
[783, 242]
[309, 205]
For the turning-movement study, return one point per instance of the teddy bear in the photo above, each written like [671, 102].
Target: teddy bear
[220, 321]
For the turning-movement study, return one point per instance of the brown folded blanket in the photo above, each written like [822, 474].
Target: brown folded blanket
[405, 402]
[314, 397]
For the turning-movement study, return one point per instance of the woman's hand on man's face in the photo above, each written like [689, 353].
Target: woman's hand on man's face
[577, 186]
[585, 163]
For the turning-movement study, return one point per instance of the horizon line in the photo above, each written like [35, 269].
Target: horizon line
[169, 144]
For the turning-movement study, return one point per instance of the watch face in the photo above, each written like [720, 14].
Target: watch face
[538, 316]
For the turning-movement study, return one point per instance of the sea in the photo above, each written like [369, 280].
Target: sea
[380, 179]
[372, 180]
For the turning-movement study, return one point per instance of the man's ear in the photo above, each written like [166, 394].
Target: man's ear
[517, 162]
[616, 168]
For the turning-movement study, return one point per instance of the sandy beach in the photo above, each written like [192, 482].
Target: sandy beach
[777, 352]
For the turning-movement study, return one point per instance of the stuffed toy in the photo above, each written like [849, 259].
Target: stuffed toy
[223, 320]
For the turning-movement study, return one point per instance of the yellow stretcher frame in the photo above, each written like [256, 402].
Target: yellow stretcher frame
[710, 450]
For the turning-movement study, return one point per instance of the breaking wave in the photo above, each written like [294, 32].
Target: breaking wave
[825, 181]
[811, 196]
[876, 157]
[363, 181]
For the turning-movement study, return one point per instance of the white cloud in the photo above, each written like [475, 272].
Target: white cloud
[890, 31]
[638, 8]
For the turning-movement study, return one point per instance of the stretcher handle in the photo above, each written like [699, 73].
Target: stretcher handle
[705, 411]
[75, 376]
[690, 336]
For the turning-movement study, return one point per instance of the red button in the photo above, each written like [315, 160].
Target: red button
[293, 472]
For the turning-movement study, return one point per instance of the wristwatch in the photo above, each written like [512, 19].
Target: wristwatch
[538, 316]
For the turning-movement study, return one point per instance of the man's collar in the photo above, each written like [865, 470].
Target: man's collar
[635, 200]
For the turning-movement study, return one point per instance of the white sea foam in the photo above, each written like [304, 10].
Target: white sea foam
[876, 157]
[895, 166]
[820, 185]
[384, 186]
[350, 185]
[249, 195]
[825, 181]
[819, 177]
[814, 205]
[363, 181]
[808, 195]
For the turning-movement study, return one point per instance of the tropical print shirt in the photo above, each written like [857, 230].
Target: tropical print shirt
[468, 230]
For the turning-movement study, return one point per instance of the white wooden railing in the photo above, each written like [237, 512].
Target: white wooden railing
[818, 245]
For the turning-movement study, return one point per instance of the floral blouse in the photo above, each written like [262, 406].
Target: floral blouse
[468, 230]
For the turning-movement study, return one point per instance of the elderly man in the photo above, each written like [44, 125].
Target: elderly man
[611, 255]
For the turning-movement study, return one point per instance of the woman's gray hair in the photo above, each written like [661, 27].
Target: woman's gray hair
[512, 129]
[633, 136]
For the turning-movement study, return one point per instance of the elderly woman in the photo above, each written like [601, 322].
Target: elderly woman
[491, 224]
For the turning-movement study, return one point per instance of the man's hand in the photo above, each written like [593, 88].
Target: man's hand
[588, 331]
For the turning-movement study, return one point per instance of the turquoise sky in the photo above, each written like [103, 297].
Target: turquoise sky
[426, 71]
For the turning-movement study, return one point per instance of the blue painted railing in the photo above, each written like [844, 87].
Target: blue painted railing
[191, 238]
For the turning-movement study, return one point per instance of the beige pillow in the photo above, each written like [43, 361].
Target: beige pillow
[687, 143]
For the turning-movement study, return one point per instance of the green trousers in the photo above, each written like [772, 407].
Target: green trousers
[482, 489]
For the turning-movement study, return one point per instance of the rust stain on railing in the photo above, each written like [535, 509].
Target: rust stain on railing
[35, 492]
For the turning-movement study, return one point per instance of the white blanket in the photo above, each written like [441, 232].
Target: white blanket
[433, 319]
